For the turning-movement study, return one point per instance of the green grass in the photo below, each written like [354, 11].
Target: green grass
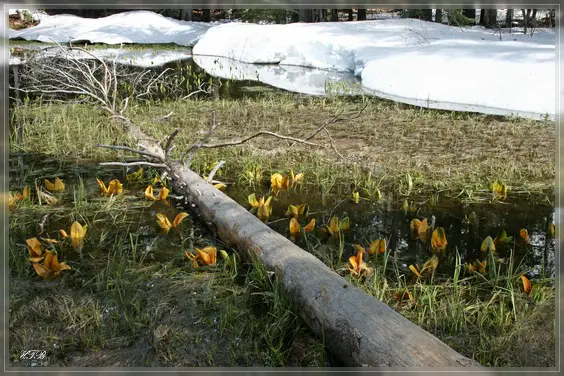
[490, 320]
[131, 298]
[457, 155]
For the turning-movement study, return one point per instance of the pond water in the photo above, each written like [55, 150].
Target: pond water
[465, 225]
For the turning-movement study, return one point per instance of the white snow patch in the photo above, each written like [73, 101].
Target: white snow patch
[467, 69]
[127, 27]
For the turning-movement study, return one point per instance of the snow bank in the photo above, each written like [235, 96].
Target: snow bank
[128, 27]
[466, 69]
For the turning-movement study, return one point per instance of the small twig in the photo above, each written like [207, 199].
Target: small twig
[127, 148]
[124, 106]
[331, 143]
[266, 133]
[161, 165]
[168, 145]
[194, 148]
[214, 170]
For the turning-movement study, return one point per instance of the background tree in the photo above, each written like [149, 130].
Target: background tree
[470, 14]
[438, 15]
[361, 15]
[509, 18]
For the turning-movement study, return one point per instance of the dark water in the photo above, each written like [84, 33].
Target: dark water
[465, 226]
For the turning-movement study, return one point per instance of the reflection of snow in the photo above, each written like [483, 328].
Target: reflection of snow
[297, 79]
[140, 58]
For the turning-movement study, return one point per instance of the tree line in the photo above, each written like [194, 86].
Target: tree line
[460, 17]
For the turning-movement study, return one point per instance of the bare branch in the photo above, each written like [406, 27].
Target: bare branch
[259, 133]
[194, 148]
[168, 145]
[127, 148]
[140, 163]
[214, 170]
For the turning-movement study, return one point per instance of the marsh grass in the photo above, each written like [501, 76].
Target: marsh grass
[131, 298]
[453, 154]
[489, 320]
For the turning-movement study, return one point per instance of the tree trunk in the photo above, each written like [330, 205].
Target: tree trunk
[206, 15]
[490, 18]
[482, 17]
[361, 15]
[351, 17]
[306, 15]
[534, 18]
[525, 20]
[438, 15]
[295, 15]
[334, 15]
[186, 14]
[509, 18]
[427, 14]
[470, 13]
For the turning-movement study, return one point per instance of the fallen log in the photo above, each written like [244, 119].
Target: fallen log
[358, 328]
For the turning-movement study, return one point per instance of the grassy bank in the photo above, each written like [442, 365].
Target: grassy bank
[455, 154]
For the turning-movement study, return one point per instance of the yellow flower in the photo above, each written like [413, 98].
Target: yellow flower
[208, 255]
[296, 211]
[429, 266]
[193, 258]
[51, 266]
[77, 235]
[358, 266]
[165, 224]
[378, 246]
[278, 183]
[220, 186]
[551, 230]
[524, 235]
[295, 227]
[56, 186]
[114, 187]
[310, 226]
[527, 287]
[264, 209]
[34, 249]
[335, 225]
[481, 266]
[356, 197]
[499, 190]
[297, 179]
[135, 176]
[488, 245]
[438, 239]
[163, 194]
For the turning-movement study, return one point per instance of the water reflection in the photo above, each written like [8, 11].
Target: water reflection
[292, 78]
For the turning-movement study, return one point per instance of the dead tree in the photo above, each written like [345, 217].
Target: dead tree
[357, 327]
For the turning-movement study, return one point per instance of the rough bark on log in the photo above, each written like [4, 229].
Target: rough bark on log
[357, 327]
